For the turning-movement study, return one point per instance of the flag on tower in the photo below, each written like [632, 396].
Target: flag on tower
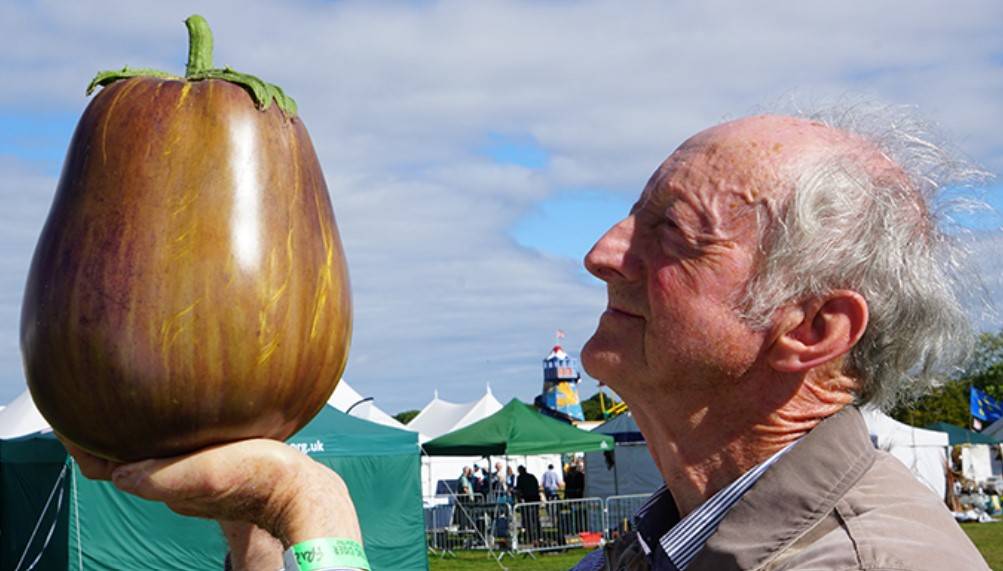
[559, 334]
[983, 406]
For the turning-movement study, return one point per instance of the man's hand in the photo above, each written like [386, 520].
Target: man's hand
[263, 482]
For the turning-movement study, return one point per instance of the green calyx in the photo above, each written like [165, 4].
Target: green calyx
[200, 67]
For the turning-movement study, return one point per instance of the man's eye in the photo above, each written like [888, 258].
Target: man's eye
[668, 232]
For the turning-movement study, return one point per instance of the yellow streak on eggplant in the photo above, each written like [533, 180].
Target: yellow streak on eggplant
[289, 267]
[263, 326]
[169, 148]
[170, 329]
[181, 245]
[273, 298]
[184, 95]
[274, 294]
[324, 276]
[186, 201]
[269, 348]
[107, 117]
[267, 351]
[184, 235]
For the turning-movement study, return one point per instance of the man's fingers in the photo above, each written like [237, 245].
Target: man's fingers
[231, 481]
[91, 466]
[165, 480]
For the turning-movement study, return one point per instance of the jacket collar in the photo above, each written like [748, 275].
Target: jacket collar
[792, 496]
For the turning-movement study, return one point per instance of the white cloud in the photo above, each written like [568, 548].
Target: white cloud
[399, 97]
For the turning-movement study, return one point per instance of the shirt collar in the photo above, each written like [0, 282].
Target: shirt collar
[671, 542]
[687, 538]
[790, 498]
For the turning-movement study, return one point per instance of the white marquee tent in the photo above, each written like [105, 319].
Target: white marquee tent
[923, 451]
[440, 416]
[348, 400]
[21, 417]
[994, 430]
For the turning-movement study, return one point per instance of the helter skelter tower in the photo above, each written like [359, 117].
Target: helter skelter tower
[560, 385]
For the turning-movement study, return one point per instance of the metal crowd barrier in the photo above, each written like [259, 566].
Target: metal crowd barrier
[558, 524]
[439, 498]
[619, 513]
[529, 527]
[468, 525]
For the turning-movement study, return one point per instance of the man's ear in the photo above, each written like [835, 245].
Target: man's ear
[817, 331]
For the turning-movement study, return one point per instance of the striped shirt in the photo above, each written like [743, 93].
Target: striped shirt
[680, 544]
[673, 549]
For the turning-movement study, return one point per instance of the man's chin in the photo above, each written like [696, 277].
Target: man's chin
[600, 360]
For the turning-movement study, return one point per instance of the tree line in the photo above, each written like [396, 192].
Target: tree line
[949, 402]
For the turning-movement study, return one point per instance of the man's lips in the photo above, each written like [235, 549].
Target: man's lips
[614, 310]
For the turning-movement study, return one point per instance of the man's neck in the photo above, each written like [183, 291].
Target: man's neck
[703, 441]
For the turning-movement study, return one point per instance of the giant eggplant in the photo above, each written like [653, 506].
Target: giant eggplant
[189, 286]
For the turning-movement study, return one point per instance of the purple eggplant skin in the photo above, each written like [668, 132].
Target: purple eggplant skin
[189, 287]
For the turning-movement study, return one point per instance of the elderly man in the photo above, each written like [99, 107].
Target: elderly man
[774, 273]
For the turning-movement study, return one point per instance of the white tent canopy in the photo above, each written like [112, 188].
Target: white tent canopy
[994, 430]
[348, 400]
[923, 451]
[20, 417]
[440, 416]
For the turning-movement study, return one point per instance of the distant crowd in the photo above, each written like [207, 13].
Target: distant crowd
[521, 485]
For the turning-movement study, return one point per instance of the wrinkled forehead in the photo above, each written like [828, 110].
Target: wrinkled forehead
[754, 160]
[731, 171]
[747, 154]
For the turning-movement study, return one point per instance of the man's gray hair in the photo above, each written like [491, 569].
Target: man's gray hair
[881, 236]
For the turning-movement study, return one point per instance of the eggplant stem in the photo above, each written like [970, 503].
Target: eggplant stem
[199, 45]
[200, 68]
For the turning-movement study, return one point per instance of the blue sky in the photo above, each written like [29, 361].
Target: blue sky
[37, 138]
[475, 150]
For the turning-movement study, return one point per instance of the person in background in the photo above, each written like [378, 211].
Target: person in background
[574, 489]
[510, 480]
[498, 485]
[528, 491]
[574, 481]
[486, 480]
[476, 479]
[527, 487]
[464, 487]
[550, 483]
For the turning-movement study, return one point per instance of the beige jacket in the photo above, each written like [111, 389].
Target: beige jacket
[832, 503]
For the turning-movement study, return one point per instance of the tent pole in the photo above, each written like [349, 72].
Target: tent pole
[616, 475]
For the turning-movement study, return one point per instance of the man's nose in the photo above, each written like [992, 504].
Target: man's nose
[611, 258]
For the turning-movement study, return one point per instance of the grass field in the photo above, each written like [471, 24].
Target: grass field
[480, 561]
[988, 537]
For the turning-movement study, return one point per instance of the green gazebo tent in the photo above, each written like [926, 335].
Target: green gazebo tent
[515, 430]
[959, 435]
[49, 511]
